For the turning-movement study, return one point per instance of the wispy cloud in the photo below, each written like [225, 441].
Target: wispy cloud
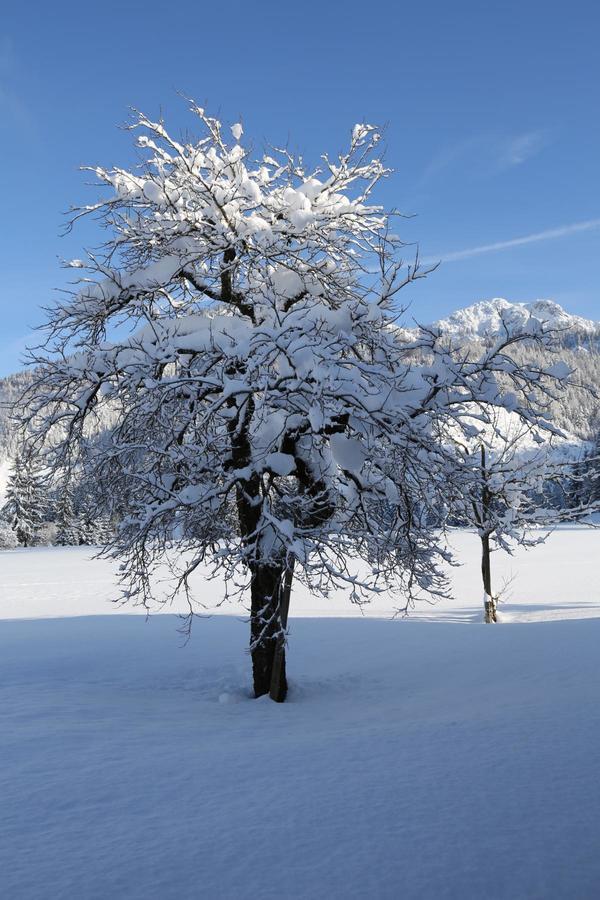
[522, 147]
[536, 237]
[484, 155]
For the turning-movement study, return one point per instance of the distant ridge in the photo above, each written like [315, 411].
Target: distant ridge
[485, 319]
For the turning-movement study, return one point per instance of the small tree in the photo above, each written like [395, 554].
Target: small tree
[507, 468]
[25, 497]
[271, 420]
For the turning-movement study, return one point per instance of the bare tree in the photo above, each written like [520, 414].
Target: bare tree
[507, 468]
[271, 420]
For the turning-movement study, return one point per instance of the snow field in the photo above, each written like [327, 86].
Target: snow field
[555, 580]
[414, 759]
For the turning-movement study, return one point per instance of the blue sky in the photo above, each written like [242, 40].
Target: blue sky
[491, 109]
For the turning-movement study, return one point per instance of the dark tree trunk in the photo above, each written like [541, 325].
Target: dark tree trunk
[267, 641]
[265, 578]
[278, 689]
[489, 602]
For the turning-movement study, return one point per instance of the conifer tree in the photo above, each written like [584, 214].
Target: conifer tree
[92, 524]
[25, 497]
[67, 532]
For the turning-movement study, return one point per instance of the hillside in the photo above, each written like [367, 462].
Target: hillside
[11, 388]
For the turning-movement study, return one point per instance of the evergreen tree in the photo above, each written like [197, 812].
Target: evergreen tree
[25, 497]
[66, 523]
[586, 486]
[593, 471]
[92, 523]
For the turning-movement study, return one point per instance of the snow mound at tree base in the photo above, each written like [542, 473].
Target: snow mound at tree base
[413, 759]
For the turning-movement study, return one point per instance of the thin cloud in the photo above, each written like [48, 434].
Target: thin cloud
[484, 155]
[521, 148]
[538, 236]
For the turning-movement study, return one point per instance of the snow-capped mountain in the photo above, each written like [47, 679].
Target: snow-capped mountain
[485, 319]
[578, 411]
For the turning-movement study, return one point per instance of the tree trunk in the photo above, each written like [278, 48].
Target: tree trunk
[266, 631]
[265, 578]
[490, 610]
[278, 689]
[489, 603]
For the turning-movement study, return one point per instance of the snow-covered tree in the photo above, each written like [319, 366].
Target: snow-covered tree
[584, 487]
[92, 524]
[25, 497]
[67, 533]
[272, 419]
[81, 516]
[8, 539]
[506, 469]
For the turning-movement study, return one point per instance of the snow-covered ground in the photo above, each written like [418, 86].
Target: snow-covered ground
[557, 580]
[433, 757]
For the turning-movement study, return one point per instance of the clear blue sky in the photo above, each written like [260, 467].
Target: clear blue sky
[492, 114]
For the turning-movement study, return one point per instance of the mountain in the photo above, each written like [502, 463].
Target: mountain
[485, 319]
[577, 344]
